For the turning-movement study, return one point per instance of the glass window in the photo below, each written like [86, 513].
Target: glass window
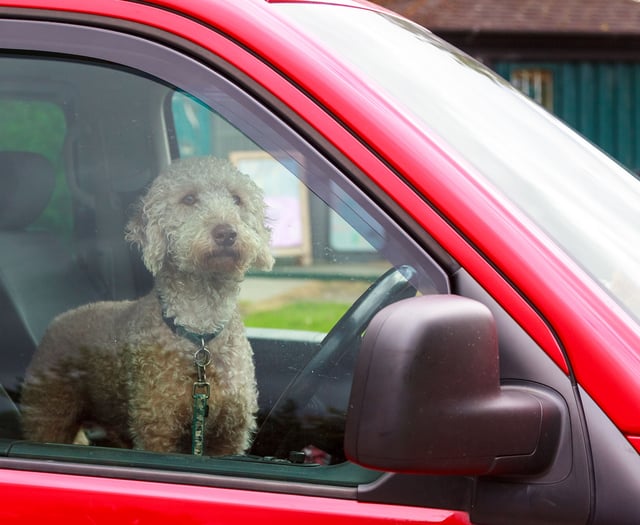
[535, 83]
[582, 199]
[38, 126]
[196, 219]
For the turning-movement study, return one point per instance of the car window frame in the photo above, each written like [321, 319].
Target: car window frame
[97, 43]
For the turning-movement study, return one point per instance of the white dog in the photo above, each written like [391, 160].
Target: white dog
[130, 366]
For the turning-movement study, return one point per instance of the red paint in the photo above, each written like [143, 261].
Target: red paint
[70, 500]
[635, 442]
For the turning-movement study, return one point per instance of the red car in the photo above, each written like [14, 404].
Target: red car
[451, 332]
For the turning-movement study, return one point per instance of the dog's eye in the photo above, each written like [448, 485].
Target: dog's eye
[237, 200]
[189, 199]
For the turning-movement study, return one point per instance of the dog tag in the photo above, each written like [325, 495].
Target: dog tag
[202, 357]
[201, 392]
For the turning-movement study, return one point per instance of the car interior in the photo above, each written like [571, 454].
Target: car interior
[117, 133]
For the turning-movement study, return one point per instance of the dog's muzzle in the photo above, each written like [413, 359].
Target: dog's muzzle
[224, 235]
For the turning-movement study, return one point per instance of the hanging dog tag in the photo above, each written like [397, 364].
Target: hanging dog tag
[201, 392]
[200, 412]
[202, 357]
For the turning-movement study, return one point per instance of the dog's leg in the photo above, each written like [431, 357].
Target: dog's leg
[231, 428]
[155, 433]
[51, 409]
[159, 410]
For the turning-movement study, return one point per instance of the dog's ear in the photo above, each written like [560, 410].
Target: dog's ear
[264, 259]
[149, 238]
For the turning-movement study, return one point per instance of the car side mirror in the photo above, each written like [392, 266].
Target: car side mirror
[427, 398]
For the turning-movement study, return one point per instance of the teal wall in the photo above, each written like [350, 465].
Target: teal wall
[599, 99]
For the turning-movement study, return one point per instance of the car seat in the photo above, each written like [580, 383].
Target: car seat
[39, 275]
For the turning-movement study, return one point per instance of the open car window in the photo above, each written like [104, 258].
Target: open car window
[159, 223]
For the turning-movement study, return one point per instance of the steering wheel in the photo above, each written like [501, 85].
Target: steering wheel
[312, 409]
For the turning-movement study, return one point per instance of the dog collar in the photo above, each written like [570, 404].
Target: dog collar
[195, 338]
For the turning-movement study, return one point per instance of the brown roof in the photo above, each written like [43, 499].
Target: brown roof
[572, 16]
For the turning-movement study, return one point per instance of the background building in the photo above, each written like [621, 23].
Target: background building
[578, 58]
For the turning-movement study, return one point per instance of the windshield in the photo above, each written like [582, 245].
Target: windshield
[584, 200]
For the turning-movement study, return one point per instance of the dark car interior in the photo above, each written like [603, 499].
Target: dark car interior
[104, 167]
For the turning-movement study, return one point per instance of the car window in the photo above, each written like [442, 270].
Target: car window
[181, 274]
[39, 126]
[585, 201]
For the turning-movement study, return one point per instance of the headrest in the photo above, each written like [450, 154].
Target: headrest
[26, 184]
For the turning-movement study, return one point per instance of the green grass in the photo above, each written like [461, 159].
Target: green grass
[299, 315]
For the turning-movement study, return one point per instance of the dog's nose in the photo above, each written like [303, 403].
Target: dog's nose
[224, 235]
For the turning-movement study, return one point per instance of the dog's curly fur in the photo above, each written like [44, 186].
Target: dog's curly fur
[200, 227]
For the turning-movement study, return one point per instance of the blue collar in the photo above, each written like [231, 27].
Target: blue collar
[197, 339]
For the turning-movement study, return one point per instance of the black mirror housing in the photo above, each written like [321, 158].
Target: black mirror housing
[426, 396]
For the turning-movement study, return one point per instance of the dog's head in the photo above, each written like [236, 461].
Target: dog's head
[202, 215]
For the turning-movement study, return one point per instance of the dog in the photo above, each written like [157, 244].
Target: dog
[129, 367]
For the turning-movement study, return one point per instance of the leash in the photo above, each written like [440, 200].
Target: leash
[201, 387]
[201, 392]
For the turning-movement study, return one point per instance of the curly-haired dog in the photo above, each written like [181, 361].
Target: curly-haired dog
[128, 366]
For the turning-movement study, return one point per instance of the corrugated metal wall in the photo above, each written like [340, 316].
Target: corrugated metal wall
[599, 99]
